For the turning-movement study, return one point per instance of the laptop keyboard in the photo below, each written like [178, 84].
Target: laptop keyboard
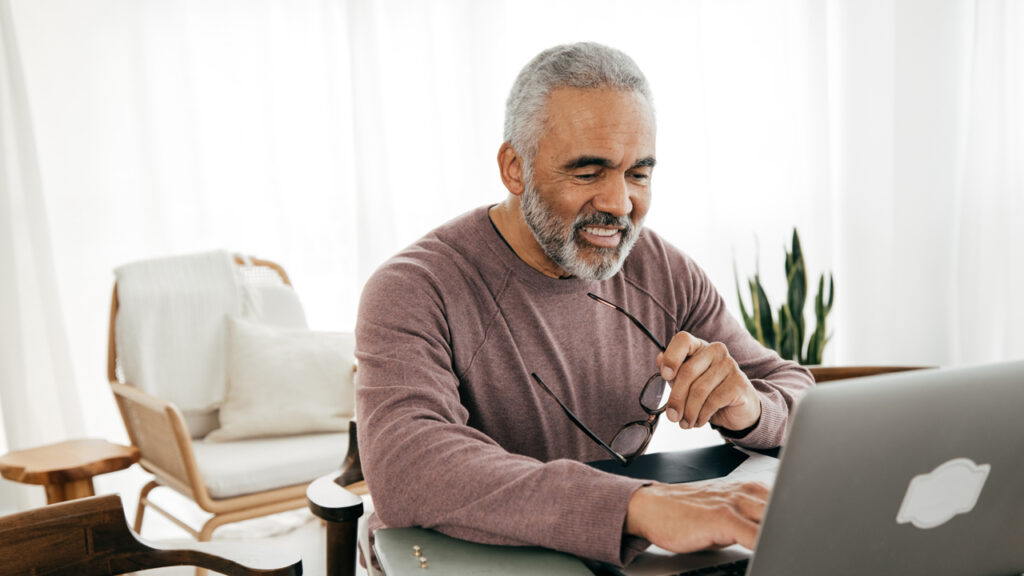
[738, 568]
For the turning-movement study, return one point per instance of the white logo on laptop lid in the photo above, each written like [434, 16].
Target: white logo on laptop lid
[934, 498]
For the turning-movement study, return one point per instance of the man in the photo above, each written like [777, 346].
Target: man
[456, 432]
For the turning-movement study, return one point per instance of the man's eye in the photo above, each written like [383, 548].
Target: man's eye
[641, 176]
[589, 176]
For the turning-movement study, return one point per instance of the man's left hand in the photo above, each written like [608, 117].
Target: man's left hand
[707, 385]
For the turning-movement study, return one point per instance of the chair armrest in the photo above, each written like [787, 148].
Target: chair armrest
[330, 498]
[91, 536]
[230, 557]
[341, 509]
[331, 502]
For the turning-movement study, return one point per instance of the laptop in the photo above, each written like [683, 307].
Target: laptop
[915, 473]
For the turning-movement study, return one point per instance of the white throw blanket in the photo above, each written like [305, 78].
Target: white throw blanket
[171, 329]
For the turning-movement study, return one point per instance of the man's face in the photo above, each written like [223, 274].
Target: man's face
[589, 190]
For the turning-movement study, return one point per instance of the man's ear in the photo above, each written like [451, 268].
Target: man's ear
[510, 164]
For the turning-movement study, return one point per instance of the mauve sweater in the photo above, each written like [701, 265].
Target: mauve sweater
[454, 435]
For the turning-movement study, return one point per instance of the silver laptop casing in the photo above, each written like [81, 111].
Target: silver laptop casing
[853, 449]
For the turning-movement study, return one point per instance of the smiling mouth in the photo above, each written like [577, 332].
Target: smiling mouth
[601, 236]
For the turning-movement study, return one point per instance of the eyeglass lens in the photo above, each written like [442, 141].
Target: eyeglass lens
[631, 439]
[654, 395]
[634, 436]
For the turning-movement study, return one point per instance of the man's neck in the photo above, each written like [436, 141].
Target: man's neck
[507, 217]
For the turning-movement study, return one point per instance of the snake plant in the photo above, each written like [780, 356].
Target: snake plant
[786, 333]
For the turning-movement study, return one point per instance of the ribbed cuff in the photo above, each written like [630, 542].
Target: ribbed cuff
[767, 432]
[594, 508]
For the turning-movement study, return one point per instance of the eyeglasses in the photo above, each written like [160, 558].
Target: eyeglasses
[631, 440]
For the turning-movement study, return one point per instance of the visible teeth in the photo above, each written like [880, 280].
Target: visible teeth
[601, 231]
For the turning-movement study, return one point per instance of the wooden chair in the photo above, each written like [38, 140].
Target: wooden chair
[169, 449]
[91, 537]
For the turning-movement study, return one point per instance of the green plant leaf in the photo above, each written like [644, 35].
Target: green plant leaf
[755, 312]
[831, 293]
[796, 283]
[764, 309]
[816, 345]
[787, 334]
[815, 348]
[748, 320]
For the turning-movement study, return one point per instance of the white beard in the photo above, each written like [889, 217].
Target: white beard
[561, 242]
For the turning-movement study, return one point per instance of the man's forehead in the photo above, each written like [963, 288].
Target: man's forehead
[599, 126]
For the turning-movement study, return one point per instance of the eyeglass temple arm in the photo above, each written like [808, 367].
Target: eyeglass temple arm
[622, 460]
[638, 323]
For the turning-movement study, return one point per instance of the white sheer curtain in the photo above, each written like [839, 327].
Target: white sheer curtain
[327, 134]
[38, 396]
[928, 119]
[989, 245]
[897, 85]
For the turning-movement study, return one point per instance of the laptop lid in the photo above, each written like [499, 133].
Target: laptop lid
[915, 473]
[911, 473]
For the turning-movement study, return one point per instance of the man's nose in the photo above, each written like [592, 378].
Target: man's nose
[614, 198]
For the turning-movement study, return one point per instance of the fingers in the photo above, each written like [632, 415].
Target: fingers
[741, 514]
[680, 364]
[748, 499]
[706, 381]
[682, 346]
[745, 533]
[750, 507]
[709, 392]
[686, 518]
[758, 490]
[695, 377]
[725, 394]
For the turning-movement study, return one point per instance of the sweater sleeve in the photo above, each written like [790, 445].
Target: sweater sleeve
[779, 382]
[427, 466]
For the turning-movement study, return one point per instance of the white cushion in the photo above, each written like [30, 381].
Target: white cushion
[201, 422]
[278, 305]
[246, 466]
[285, 381]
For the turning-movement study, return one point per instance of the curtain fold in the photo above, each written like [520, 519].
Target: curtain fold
[989, 253]
[38, 392]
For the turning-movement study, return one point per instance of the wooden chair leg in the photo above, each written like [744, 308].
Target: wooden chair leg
[341, 548]
[341, 509]
[143, 495]
[206, 535]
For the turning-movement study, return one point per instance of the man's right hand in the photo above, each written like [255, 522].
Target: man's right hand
[689, 517]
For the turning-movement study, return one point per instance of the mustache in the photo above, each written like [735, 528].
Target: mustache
[603, 219]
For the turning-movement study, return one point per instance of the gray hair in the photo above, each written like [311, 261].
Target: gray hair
[582, 65]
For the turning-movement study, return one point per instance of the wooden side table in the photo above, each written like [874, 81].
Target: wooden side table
[66, 468]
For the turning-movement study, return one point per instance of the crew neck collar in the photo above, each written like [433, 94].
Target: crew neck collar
[520, 269]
